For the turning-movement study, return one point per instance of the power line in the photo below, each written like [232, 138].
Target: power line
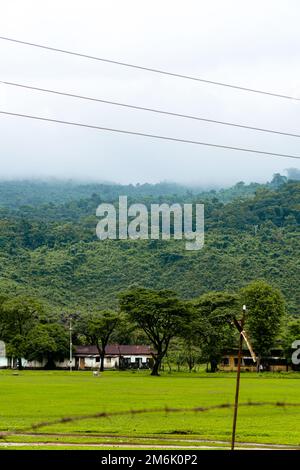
[152, 110]
[152, 136]
[148, 69]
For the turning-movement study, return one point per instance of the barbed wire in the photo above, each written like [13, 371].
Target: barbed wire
[134, 412]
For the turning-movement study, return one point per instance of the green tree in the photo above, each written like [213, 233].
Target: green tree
[278, 180]
[182, 352]
[160, 314]
[266, 309]
[47, 341]
[191, 354]
[18, 316]
[175, 354]
[211, 326]
[98, 327]
[3, 298]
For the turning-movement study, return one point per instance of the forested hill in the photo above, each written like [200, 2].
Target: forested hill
[15, 194]
[48, 246]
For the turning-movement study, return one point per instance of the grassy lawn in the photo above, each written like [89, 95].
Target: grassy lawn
[34, 396]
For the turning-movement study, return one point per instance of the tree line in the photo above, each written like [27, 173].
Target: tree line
[198, 329]
[50, 250]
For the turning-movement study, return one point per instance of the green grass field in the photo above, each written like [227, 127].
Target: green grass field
[34, 396]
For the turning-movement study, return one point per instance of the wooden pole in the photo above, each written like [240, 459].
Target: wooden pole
[70, 344]
[238, 376]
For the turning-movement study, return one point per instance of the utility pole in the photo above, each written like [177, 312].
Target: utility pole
[240, 327]
[71, 345]
[239, 324]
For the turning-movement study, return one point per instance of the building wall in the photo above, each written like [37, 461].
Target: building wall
[7, 363]
[3, 358]
[134, 358]
[89, 362]
[246, 365]
[33, 364]
[93, 363]
[65, 364]
[3, 362]
[109, 362]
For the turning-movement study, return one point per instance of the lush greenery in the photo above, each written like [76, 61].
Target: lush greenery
[40, 396]
[266, 311]
[49, 250]
[28, 333]
[207, 323]
[97, 328]
[52, 265]
[161, 315]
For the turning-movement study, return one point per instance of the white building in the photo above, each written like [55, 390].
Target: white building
[87, 357]
[123, 356]
[4, 363]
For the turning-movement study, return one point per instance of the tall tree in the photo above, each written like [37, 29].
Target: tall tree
[18, 316]
[266, 309]
[3, 299]
[160, 314]
[211, 326]
[48, 341]
[98, 327]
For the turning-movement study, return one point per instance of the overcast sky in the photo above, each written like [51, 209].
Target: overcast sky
[255, 44]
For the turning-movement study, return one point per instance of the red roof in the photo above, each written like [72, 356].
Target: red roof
[115, 350]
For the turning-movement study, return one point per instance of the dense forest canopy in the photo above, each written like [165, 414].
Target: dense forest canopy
[49, 248]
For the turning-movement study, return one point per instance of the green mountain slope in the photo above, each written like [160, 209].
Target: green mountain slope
[51, 251]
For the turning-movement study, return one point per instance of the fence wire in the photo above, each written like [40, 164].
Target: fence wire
[135, 412]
